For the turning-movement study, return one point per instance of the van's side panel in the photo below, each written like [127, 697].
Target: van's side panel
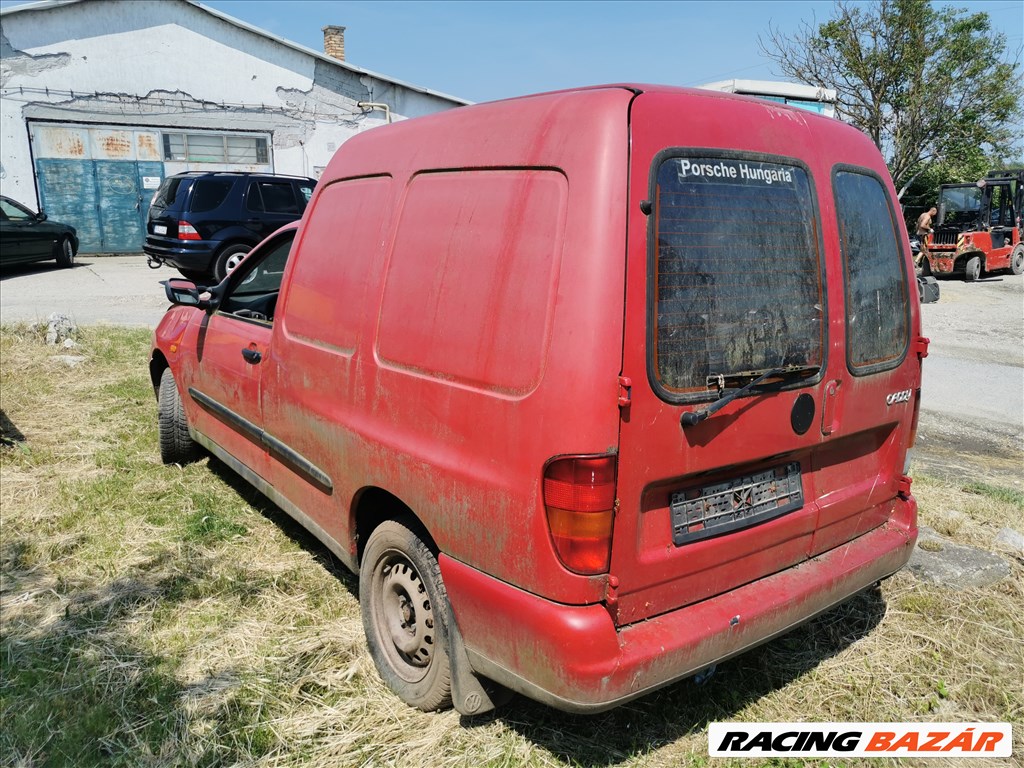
[463, 440]
[312, 381]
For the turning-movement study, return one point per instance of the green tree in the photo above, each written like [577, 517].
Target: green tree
[932, 87]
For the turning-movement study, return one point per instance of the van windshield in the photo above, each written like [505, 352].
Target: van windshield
[736, 273]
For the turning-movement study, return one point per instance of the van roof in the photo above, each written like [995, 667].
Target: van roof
[538, 129]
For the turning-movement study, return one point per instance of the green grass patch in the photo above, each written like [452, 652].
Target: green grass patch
[1010, 496]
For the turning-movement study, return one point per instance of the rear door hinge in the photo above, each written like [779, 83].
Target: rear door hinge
[921, 346]
[903, 486]
[625, 391]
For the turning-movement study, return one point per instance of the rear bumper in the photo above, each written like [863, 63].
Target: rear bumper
[196, 255]
[573, 658]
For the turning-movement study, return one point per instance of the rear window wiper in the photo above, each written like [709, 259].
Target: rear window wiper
[690, 418]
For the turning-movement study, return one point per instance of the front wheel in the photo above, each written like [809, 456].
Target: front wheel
[65, 253]
[405, 608]
[972, 269]
[1017, 259]
[176, 444]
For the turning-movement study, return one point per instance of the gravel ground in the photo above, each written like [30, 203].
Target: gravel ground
[972, 407]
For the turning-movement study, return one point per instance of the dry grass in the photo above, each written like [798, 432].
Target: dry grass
[165, 616]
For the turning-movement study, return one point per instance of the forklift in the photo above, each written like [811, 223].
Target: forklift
[979, 227]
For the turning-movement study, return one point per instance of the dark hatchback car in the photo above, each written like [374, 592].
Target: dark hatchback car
[205, 223]
[27, 236]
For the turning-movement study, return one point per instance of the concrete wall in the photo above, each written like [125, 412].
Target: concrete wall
[170, 64]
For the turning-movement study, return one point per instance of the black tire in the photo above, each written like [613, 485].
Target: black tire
[1017, 259]
[405, 616]
[228, 259]
[972, 269]
[176, 445]
[64, 252]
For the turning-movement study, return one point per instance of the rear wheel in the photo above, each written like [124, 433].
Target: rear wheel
[404, 606]
[228, 259]
[176, 444]
[972, 269]
[65, 253]
[1017, 259]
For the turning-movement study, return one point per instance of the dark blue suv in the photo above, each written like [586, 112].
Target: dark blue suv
[204, 223]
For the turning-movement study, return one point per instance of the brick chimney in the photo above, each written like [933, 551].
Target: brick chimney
[334, 42]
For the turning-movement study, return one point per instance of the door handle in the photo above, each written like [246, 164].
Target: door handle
[252, 356]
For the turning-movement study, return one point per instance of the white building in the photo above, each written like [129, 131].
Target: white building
[100, 99]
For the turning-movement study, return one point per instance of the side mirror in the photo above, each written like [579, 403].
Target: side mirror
[41, 216]
[187, 293]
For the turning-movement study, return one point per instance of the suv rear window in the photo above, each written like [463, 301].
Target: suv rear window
[208, 194]
[168, 192]
[736, 273]
[876, 288]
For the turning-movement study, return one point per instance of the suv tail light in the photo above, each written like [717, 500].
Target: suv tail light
[187, 232]
[579, 497]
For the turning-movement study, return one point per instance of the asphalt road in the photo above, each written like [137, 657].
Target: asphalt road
[112, 290]
[972, 412]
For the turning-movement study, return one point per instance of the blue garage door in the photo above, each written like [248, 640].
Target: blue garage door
[98, 179]
[103, 199]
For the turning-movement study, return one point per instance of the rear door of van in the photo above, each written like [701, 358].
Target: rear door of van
[755, 259]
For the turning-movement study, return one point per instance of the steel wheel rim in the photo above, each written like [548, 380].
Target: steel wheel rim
[403, 616]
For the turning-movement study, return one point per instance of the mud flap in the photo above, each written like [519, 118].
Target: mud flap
[471, 694]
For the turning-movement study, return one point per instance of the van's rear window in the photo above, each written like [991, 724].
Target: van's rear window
[736, 271]
[876, 288]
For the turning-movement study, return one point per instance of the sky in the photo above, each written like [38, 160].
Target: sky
[480, 51]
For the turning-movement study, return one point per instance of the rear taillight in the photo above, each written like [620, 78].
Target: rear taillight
[187, 232]
[579, 496]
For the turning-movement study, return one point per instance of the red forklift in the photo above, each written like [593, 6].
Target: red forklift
[979, 227]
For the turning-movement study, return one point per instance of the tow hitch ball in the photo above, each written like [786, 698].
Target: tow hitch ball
[154, 262]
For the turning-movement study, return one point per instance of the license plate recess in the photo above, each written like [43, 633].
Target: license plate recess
[711, 510]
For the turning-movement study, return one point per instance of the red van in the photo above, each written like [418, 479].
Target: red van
[593, 389]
